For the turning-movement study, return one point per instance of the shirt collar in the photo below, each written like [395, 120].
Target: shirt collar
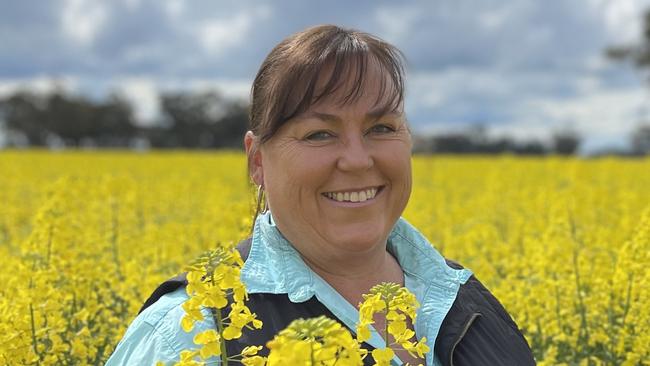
[420, 259]
[274, 266]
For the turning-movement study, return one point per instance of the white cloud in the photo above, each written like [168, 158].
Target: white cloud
[218, 35]
[132, 4]
[229, 88]
[527, 105]
[598, 113]
[396, 22]
[174, 8]
[603, 118]
[144, 92]
[38, 84]
[82, 20]
[621, 18]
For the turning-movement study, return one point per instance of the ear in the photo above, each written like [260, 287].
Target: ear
[255, 168]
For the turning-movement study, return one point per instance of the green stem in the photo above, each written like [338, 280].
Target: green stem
[386, 326]
[49, 246]
[222, 342]
[31, 315]
[584, 328]
[114, 238]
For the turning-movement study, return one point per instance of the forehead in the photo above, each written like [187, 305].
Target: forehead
[359, 82]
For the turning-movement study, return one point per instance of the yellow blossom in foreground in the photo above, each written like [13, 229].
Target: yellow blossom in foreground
[315, 341]
[398, 305]
[213, 279]
[211, 342]
[382, 356]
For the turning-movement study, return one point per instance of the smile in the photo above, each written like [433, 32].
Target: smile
[353, 196]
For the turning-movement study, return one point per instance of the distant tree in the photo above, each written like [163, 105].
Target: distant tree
[640, 140]
[565, 142]
[113, 122]
[532, 147]
[71, 119]
[475, 141]
[202, 120]
[453, 143]
[639, 54]
[22, 113]
[230, 129]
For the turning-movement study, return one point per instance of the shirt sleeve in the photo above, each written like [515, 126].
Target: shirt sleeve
[155, 335]
[143, 345]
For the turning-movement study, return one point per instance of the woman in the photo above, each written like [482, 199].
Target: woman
[330, 147]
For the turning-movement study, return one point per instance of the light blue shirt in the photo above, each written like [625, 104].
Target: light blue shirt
[274, 266]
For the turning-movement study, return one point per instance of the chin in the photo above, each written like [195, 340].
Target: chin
[360, 239]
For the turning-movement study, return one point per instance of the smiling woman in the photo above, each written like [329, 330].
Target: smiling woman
[333, 150]
[330, 146]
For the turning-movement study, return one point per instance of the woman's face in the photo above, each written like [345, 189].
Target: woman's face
[338, 176]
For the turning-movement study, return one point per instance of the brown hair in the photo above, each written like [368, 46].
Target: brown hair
[286, 81]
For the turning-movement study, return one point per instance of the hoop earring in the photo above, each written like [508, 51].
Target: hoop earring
[262, 203]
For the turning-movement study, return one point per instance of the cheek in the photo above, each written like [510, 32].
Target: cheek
[397, 161]
[398, 168]
[292, 176]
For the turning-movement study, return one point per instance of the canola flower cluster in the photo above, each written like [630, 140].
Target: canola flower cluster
[213, 283]
[85, 237]
[398, 306]
[317, 341]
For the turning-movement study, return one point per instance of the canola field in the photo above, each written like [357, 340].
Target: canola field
[85, 237]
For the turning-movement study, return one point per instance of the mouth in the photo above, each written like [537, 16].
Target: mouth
[354, 195]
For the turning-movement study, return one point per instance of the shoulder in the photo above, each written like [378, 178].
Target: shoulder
[479, 330]
[156, 334]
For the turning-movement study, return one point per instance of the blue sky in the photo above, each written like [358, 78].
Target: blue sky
[525, 68]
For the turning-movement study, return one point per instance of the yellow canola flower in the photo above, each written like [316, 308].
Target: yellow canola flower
[254, 361]
[398, 305]
[193, 313]
[372, 304]
[250, 351]
[313, 342]
[213, 279]
[187, 359]
[383, 356]
[416, 348]
[210, 340]
[240, 316]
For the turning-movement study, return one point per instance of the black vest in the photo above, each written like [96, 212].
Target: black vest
[476, 331]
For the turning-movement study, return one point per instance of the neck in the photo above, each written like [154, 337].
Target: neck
[354, 275]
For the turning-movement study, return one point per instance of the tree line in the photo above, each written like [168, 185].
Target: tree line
[193, 121]
[188, 120]
[207, 120]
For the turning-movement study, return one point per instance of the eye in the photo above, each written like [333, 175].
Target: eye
[381, 128]
[319, 136]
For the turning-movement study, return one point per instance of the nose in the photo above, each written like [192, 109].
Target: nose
[355, 155]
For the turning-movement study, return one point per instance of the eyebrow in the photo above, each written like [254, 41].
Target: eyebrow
[371, 115]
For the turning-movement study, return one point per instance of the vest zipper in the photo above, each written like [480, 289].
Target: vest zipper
[461, 335]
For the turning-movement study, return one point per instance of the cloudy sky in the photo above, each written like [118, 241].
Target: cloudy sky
[523, 67]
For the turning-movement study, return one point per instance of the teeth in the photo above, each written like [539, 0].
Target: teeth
[360, 196]
[354, 197]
